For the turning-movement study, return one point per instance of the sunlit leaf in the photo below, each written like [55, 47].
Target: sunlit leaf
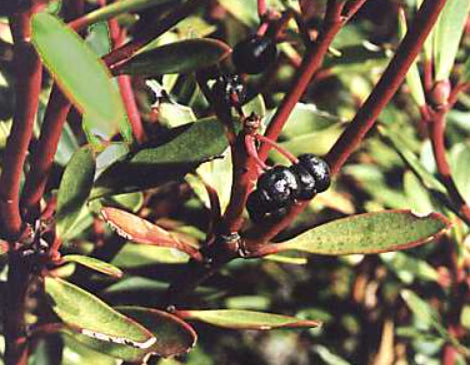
[369, 233]
[448, 33]
[88, 83]
[89, 314]
[94, 264]
[244, 319]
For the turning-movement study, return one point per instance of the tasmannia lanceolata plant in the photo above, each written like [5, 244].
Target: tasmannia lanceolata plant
[175, 168]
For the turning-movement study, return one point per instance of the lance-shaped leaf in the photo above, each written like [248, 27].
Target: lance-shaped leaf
[113, 10]
[184, 56]
[175, 337]
[98, 322]
[80, 73]
[245, 319]
[428, 316]
[194, 143]
[74, 189]
[448, 33]
[94, 264]
[139, 230]
[412, 77]
[369, 233]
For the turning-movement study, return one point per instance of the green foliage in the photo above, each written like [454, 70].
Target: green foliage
[374, 270]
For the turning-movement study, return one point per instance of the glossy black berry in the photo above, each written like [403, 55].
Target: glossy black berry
[260, 208]
[318, 168]
[230, 90]
[253, 55]
[281, 185]
[306, 182]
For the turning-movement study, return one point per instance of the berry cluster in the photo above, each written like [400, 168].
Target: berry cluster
[281, 186]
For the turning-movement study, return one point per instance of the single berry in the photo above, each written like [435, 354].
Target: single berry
[253, 55]
[230, 90]
[257, 204]
[281, 185]
[318, 168]
[260, 209]
[306, 181]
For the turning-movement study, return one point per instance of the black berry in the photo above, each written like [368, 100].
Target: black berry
[260, 208]
[253, 55]
[318, 168]
[229, 90]
[281, 185]
[306, 181]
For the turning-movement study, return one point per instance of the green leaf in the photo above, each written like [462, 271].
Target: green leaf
[180, 57]
[76, 353]
[175, 337]
[94, 264]
[90, 316]
[74, 190]
[460, 160]
[244, 319]
[465, 317]
[369, 233]
[132, 255]
[88, 83]
[115, 9]
[412, 77]
[194, 144]
[407, 268]
[427, 314]
[448, 33]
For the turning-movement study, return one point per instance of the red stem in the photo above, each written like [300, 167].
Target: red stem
[28, 87]
[308, 68]
[125, 87]
[436, 127]
[42, 157]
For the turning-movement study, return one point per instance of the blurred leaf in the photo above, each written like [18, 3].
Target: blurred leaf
[74, 190]
[132, 201]
[306, 118]
[419, 199]
[175, 337]
[424, 312]
[254, 302]
[329, 357]
[180, 57]
[174, 115]
[132, 255]
[413, 162]
[429, 43]
[98, 38]
[286, 259]
[357, 58]
[407, 268]
[196, 143]
[243, 319]
[94, 95]
[448, 34]
[139, 230]
[369, 233]
[84, 311]
[255, 105]
[68, 145]
[466, 75]
[94, 264]
[412, 77]
[117, 8]
[465, 317]
[459, 161]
